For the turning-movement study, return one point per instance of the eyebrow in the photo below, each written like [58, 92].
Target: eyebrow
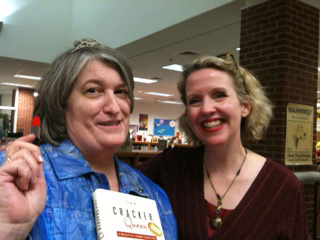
[97, 81]
[216, 89]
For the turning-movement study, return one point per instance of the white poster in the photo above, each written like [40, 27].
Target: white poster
[299, 134]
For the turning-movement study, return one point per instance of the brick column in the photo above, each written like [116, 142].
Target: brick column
[25, 110]
[279, 43]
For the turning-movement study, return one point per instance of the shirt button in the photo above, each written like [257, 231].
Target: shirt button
[140, 189]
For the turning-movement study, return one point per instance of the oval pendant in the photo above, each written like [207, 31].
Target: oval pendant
[215, 222]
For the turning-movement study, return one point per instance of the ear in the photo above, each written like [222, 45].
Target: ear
[245, 108]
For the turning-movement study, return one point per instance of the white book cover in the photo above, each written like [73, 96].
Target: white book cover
[125, 216]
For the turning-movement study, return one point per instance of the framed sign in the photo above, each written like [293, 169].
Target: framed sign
[164, 127]
[299, 135]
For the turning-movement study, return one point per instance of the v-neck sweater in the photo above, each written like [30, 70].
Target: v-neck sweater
[272, 208]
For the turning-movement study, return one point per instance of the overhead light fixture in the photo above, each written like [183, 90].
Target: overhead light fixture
[159, 94]
[35, 94]
[171, 102]
[238, 49]
[144, 80]
[1, 24]
[137, 98]
[174, 67]
[16, 85]
[27, 77]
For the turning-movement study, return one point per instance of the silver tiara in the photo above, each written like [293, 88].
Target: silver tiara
[87, 42]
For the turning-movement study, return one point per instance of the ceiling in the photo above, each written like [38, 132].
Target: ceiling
[206, 33]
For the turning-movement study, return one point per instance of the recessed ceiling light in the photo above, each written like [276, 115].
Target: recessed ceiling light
[171, 102]
[174, 67]
[27, 77]
[159, 94]
[35, 94]
[16, 85]
[144, 80]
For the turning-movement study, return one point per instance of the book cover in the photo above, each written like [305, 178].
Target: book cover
[125, 216]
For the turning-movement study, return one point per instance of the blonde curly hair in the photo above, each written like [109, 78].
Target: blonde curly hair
[247, 87]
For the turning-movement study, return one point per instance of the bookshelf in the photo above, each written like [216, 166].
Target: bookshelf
[143, 146]
[142, 151]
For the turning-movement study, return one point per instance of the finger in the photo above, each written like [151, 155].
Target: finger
[25, 155]
[18, 145]
[29, 138]
[40, 172]
[41, 177]
[18, 173]
[24, 176]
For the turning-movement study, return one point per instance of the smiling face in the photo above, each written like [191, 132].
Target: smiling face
[98, 111]
[214, 110]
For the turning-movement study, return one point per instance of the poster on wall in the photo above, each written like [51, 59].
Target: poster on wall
[164, 127]
[143, 122]
[299, 135]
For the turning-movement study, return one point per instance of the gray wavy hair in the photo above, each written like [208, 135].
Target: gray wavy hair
[247, 88]
[59, 79]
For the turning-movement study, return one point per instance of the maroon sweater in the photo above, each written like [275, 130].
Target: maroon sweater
[273, 207]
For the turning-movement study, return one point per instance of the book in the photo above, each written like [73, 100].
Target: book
[124, 216]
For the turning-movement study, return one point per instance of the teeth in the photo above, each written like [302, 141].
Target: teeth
[212, 124]
[110, 123]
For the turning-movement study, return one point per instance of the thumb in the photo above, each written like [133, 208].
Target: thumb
[40, 173]
[29, 138]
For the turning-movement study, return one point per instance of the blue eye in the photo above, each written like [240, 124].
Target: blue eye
[219, 95]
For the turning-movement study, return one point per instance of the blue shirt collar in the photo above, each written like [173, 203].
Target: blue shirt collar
[68, 162]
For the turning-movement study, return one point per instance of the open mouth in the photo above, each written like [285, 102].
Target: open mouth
[212, 124]
[114, 123]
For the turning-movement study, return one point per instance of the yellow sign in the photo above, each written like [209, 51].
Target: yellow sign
[299, 135]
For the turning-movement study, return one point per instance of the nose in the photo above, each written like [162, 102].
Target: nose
[208, 106]
[110, 104]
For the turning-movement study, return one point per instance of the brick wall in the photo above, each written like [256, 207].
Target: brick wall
[25, 110]
[279, 43]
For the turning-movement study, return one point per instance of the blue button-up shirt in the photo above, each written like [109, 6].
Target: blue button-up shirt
[69, 212]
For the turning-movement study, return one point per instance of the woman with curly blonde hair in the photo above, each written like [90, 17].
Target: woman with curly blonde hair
[247, 87]
[218, 188]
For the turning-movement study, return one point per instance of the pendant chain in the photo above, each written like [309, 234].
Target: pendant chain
[216, 222]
